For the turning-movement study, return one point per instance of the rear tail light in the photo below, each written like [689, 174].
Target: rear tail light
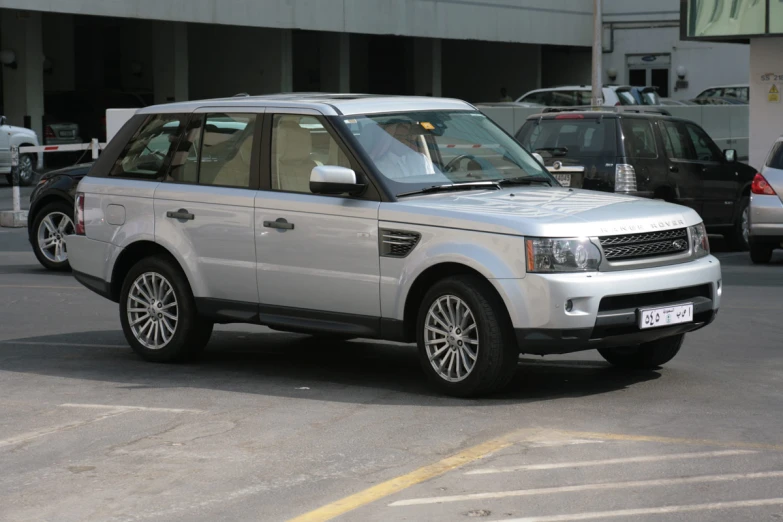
[79, 214]
[618, 104]
[624, 178]
[49, 132]
[761, 186]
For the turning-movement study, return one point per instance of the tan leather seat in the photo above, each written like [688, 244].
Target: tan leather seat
[293, 164]
[236, 172]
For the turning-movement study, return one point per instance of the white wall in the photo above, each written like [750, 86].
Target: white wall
[707, 63]
[766, 119]
[561, 22]
[641, 10]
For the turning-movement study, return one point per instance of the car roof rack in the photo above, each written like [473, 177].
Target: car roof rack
[636, 109]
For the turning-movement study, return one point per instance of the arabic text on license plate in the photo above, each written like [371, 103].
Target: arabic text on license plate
[656, 317]
[563, 179]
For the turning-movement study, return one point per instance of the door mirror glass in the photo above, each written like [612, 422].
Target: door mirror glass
[329, 179]
[730, 155]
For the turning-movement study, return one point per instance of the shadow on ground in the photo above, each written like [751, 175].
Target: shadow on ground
[279, 364]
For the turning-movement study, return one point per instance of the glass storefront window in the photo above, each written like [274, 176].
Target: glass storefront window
[717, 18]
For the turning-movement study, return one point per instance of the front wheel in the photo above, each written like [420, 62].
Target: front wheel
[739, 237]
[465, 339]
[50, 227]
[158, 313]
[646, 356]
[25, 170]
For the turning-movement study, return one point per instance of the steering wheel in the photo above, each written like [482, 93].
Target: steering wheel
[453, 163]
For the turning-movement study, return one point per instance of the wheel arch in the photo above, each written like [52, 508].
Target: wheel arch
[426, 279]
[132, 254]
[40, 203]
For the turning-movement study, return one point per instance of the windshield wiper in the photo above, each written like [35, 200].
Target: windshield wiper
[454, 186]
[525, 180]
[556, 151]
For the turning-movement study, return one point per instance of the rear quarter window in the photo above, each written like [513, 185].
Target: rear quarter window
[775, 159]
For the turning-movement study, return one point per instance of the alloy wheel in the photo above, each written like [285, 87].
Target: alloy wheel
[153, 312]
[25, 169]
[51, 236]
[745, 223]
[451, 338]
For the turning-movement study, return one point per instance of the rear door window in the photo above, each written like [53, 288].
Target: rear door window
[775, 159]
[569, 137]
[149, 152]
[705, 148]
[639, 138]
[676, 141]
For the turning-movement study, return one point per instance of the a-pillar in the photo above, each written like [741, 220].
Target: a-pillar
[336, 62]
[427, 64]
[23, 87]
[170, 66]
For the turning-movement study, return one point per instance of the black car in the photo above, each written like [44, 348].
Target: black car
[50, 217]
[649, 155]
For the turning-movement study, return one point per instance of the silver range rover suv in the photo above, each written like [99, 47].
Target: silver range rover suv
[397, 218]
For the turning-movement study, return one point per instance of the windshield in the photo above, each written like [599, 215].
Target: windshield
[626, 98]
[569, 137]
[414, 150]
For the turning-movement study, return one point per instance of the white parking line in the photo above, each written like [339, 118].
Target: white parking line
[608, 462]
[590, 487]
[652, 511]
[32, 435]
[130, 408]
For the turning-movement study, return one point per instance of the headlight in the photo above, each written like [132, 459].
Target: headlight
[562, 255]
[699, 240]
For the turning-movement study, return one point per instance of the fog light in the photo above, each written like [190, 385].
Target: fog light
[569, 305]
[720, 287]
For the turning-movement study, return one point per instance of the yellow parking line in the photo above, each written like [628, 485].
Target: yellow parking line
[397, 484]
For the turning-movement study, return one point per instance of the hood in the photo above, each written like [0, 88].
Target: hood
[540, 212]
[14, 130]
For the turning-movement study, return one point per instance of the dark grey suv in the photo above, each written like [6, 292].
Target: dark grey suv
[649, 155]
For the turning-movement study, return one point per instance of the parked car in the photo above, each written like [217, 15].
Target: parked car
[11, 136]
[50, 217]
[740, 92]
[646, 95]
[671, 101]
[766, 207]
[648, 155]
[405, 219]
[578, 96]
[718, 101]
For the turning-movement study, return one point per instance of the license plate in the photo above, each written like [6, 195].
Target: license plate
[66, 134]
[563, 179]
[657, 317]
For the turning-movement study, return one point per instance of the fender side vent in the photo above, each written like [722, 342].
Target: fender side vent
[398, 243]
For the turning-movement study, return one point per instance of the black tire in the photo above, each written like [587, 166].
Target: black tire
[26, 170]
[760, 253]
[60, 207]
[191, 333]
[645, 356]
[736, 239]
[497, 353]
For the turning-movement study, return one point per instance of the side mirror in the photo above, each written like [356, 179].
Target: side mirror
[3, 121]
[539, 157]
[730, 155]
[329, 179]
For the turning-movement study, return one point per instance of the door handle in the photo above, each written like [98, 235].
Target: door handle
[180, 214]
[280, 224]
[674, 168]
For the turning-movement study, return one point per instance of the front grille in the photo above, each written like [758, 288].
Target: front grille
[651, 244]
[398, 243]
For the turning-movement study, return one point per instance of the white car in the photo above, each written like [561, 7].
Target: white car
[741, 92]
[11, 136]
[578, 96]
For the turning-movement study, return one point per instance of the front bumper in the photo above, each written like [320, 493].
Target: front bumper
[605, 305]
[766, 217]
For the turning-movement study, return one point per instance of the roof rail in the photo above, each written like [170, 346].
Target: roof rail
[638, 109]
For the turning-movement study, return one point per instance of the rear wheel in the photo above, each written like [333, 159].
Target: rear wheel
[465, 339]
[760, 253]
[158, 313]
[25, 170]
[645, 356]
[739, 237]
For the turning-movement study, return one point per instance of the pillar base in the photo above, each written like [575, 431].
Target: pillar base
[11, 219]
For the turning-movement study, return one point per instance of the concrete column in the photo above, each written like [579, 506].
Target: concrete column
[58, 47]
[336, 62]
[286, 61]
[427, 67]
[766, 109]
[170, 66]
[23, 87]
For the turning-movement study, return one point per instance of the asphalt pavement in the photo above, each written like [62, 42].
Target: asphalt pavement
[270, 426]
